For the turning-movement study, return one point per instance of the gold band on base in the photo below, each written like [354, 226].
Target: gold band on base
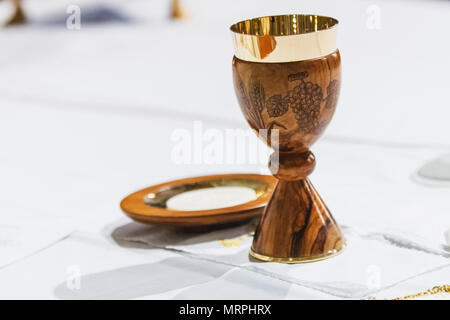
[323, 256]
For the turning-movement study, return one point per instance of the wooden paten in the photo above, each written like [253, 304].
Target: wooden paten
[149, 205]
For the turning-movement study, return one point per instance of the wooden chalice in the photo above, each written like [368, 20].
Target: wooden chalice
[286, 73]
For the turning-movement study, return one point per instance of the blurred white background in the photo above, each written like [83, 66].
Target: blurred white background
[394, 66]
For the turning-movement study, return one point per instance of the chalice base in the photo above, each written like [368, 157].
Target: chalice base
[296, 226]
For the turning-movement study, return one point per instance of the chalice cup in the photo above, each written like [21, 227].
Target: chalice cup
[286, 74]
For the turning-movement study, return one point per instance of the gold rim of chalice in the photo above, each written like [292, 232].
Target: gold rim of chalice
[284, 38]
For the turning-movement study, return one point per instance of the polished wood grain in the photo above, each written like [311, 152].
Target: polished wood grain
[296, 224]
[297, 98]
[296, 101]
[137, 209]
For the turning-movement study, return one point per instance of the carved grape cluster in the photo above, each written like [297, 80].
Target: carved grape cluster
[304, 100]
[276, 106]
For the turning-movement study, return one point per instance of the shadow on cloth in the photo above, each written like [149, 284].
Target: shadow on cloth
[201, 278]
[142, 280]
[135, 235]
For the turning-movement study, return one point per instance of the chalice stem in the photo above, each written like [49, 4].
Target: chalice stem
[296, 226]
